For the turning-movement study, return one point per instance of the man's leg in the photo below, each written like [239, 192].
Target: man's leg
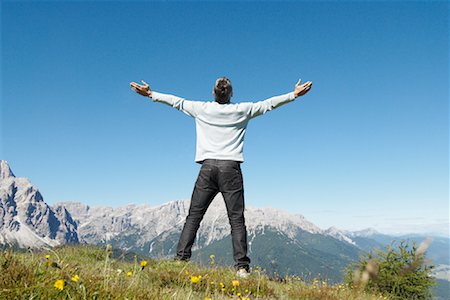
[231, 185]
[204, 192]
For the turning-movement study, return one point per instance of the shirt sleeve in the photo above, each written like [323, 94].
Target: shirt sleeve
[191, 108]
[261, 107]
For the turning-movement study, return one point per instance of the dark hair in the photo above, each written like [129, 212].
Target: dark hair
[223, 90]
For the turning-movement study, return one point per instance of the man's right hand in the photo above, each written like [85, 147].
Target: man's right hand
[143, 90]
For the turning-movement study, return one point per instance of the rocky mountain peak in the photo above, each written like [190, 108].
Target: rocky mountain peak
[366, 232]
[5, 170]
[26, 220]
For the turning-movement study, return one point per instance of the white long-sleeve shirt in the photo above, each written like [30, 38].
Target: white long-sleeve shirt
[221, 127]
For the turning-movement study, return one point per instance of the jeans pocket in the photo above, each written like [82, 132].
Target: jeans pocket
[204, 177]
[231, 179]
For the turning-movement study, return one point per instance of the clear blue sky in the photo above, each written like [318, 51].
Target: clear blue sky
[368, 146]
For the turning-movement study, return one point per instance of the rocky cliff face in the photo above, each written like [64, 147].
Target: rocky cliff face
[142, 227]
[25, 219]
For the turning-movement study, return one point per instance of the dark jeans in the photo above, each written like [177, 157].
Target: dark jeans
[216, 176]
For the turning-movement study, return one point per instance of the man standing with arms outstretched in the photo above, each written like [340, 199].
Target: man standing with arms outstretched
[220, 127]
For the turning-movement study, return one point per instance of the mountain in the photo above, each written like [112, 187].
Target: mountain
[26, 220]
[279, 242]
[105, 224]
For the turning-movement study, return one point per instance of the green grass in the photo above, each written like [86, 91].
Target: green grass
[106, 274]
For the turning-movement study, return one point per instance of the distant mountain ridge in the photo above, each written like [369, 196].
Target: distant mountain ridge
[101, 224]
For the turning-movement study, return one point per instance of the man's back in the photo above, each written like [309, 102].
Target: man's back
[220, 131]
[221, 127]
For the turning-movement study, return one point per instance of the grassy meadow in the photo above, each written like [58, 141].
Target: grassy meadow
[91, 272]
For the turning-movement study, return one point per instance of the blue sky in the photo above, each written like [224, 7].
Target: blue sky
[367, 147]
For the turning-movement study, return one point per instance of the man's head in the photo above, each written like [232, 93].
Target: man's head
[223, 91]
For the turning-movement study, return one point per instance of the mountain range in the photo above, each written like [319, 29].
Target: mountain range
[279, 242]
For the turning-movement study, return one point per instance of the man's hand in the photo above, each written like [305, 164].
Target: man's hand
[143, 90]
[301, 89]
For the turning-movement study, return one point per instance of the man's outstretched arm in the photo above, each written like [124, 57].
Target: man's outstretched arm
[186, 106]
[261, 107]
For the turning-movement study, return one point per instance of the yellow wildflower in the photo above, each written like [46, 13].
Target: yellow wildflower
[129, 273]
[195, 279]
[212, 256]
[187, 273]
[75, 278]
[207, 298]
[143, 263]
[235, 282]
[47, 256]
[221, 284]
[59, 284]
[238, 294]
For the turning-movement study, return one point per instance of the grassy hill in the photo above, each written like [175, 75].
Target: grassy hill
[89, 272]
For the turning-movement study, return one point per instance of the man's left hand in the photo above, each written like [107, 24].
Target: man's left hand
[301, 89]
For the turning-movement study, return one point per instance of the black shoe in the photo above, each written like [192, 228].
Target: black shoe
[177, 258]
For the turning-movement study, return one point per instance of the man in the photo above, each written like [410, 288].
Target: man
[220, 127]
